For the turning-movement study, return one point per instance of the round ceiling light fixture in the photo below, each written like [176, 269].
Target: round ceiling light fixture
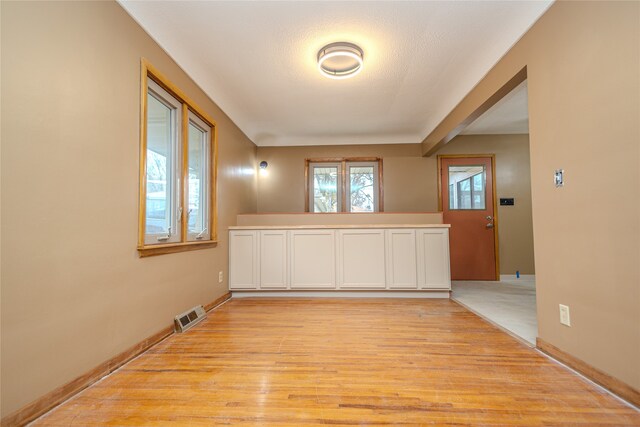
[340, 60]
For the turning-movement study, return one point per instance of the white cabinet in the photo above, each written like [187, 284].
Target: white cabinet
[312, 259]
[360, 259]
[273, 259]
[433, 258]
[244, 260]
[401, 259]
[367, 258]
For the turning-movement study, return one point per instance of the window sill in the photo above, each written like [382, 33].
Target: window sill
[171, 248]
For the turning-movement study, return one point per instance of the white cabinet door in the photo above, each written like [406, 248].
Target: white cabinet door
[401, 259]
[273, 259]
[360, 259]
[433, 258]
[244, 261]
[312, 259]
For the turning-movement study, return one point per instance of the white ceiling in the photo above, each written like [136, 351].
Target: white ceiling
[257, 61]
[510, 115]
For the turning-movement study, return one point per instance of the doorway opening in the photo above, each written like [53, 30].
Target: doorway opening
[487, 199]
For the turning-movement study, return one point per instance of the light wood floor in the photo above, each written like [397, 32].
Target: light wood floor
[342, 362]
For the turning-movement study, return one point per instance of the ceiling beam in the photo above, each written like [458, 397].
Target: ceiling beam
[431, 144]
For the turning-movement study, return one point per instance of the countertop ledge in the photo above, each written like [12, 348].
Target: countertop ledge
[344, 226]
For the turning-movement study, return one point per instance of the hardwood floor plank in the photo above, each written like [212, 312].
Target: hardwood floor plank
[342, 362]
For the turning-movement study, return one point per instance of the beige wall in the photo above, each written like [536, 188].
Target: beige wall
[283, 189]
[583, 63]
[74, 292]
[70, 83]
[410, 184]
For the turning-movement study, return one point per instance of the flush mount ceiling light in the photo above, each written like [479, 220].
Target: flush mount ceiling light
[340, 60]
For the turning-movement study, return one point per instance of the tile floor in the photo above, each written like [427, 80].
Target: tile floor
[508, 303]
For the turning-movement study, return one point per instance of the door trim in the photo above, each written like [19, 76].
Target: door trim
[493, 189]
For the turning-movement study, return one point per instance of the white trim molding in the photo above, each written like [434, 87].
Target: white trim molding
[340, 294]
[523, 278]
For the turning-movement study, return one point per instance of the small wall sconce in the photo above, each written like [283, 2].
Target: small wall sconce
[263, 168]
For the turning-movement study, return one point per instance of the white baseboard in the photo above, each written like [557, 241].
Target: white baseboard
[340, 294]
[523, 277]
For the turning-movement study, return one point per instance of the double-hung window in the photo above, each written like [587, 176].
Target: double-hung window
[177, 170]
[164, 114]
[362, 187]
[325, 187]
[344, 185]
[199, 185]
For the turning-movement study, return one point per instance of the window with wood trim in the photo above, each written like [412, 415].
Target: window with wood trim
[343, 185]
[177, 170]
[467, 187]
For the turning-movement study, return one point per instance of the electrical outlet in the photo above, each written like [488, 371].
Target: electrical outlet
[220, 276]
[565, 319]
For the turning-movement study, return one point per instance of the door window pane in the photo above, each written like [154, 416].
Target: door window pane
[452, 192]
[467, 187]
[198, 194]
[464, 194]
[361, 188]
[325, 189]
[478, 200]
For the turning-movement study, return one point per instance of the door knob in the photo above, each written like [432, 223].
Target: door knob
[489, 225]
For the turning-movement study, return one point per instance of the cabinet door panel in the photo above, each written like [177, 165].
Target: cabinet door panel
[312, 259]
[433, 259]
[273, 260]
[243, 260]
[361, 259]
[401, 259]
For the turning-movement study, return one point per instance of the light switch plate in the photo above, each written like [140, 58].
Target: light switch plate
[565, 318]
[558, 177]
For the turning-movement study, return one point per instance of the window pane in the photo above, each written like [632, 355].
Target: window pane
[452, 196]
[325, 189]
[361, 186]
[466, 187]
[159, 166]
[478, 191]
[198, 200]
[477, 183]
[464, 194]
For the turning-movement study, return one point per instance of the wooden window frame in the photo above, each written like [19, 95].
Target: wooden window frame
[174, 166]
[472, 192]
[344, 186]
[148, 71]
[347, 184]
[340, 187]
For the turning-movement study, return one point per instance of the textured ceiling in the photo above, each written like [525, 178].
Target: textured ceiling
[257, 61]
[510, 115]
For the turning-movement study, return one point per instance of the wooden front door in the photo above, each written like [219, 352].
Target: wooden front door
[467, 197]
